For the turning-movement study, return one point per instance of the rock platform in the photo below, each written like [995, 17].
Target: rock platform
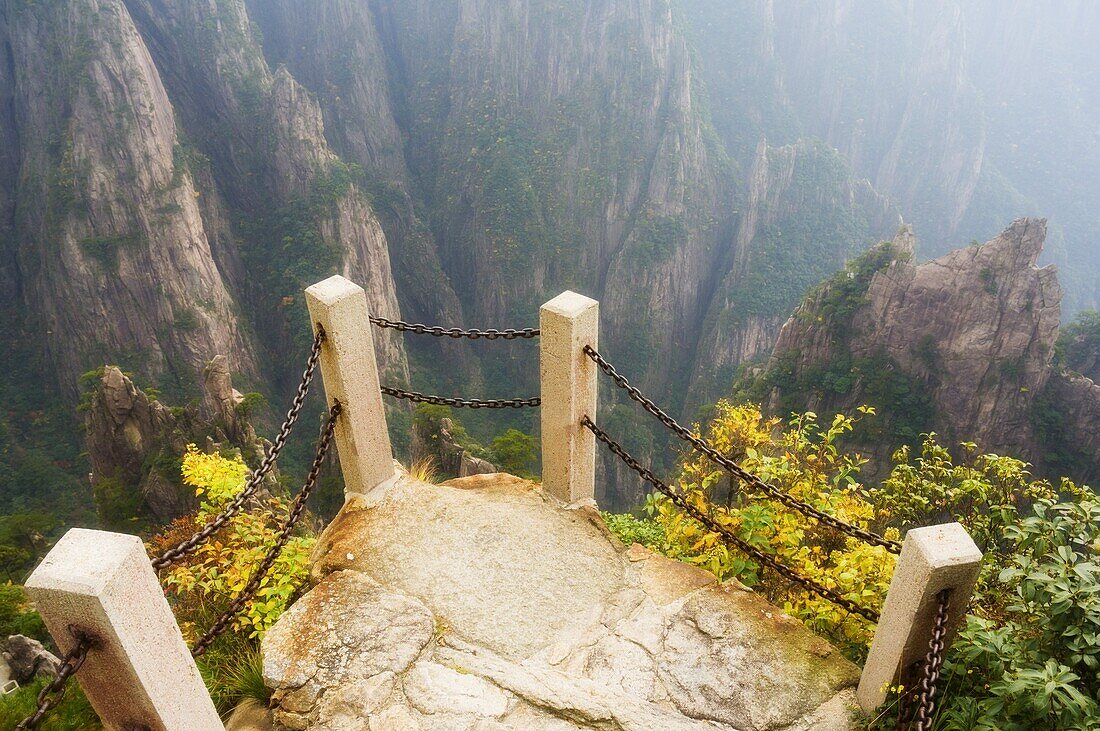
[483, 605]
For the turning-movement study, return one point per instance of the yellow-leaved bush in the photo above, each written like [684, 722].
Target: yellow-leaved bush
[203, 584]
[801, 458]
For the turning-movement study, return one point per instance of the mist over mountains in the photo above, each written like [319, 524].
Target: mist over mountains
[173, 173]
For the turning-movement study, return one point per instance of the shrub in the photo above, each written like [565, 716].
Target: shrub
[631, 529]
[17, 617]
[1029, 654]
[800, 458]
[208, 580]
[514, 452]
[117, 503]
[250, 403]
[1029, 657]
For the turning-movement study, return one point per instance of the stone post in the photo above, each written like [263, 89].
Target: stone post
[138, 673]
[568, 383]
[932, 559]
[350, 373]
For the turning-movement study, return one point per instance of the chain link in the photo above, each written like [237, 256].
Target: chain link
[496, 403]
[933, 662]
[455, 332]
[180, 550]
[297, 509]
[746, 477]
[681, 502]
[52, 693]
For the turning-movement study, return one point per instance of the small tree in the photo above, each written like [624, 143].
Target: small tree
[206, 581]
[515, 452]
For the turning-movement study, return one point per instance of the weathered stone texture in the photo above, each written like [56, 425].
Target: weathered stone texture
[482, 605]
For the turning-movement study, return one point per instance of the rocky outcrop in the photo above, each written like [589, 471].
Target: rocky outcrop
[126, 430]
[978, 326]
[222, 405]
[972, 333]
[134, 441]
[501, 610]
[28, 659]
[436, 442]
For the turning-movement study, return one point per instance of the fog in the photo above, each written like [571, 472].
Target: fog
[968, 114]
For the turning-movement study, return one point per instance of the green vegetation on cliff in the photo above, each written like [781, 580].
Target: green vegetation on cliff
[1078, 346]
[817, 226]
[875, 379]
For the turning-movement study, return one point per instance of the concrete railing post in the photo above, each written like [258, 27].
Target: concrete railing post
[932, 559]
[138, 672]
[568, 382]
[350, 373]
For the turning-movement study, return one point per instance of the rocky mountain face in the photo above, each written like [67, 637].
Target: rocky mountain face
[174, 172]
[107, 233]
[966, 114]
[563, 147]
[191, 166]
[962, 345]
[154, 184]
[298, 211]
[804, 216]
[336, 50]
[134, 442]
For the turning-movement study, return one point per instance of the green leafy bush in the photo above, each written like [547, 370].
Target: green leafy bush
[1030, 656]
[17, 617]
[631, 529]
[1078, 346]
[515, 452]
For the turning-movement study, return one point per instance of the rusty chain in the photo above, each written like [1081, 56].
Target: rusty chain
[496, 403]
[180, 550]
[54, 691]
[681, 502]
[297, 509]
[933, 662]
[455, 332]
[745, 476]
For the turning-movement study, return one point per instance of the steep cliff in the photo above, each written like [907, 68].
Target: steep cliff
[109, 241]
[962, 345]
[335, 50]
[191, 166]
[965, 113]
[298, 210]
[564, 147]
[170, 192]
[804, 216]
